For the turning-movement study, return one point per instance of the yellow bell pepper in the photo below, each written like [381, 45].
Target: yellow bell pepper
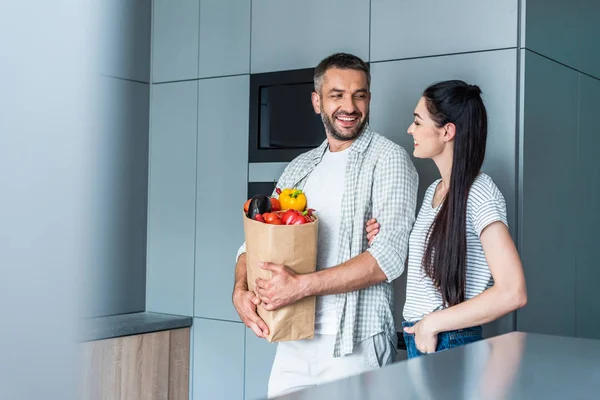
[292, 199]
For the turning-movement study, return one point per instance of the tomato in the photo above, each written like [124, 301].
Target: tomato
[247, 205]
[275, 205]
[275, 221]
[292, 199]
[271, 217]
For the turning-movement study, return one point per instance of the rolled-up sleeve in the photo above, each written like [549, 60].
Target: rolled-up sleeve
[241, 251]
[395, 186]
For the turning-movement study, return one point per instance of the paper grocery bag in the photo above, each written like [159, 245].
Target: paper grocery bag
[294, 246]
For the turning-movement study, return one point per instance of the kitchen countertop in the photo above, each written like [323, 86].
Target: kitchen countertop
[512, 366]
[130, 324]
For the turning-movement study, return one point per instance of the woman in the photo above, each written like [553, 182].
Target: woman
[463, 267]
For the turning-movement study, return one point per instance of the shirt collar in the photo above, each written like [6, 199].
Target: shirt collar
[359, 146]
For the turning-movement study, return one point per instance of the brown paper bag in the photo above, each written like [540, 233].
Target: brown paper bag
[294, 246]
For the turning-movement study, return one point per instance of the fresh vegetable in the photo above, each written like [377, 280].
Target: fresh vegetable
[259, 204]
[289, 209]
[294, 217]
[308, 214]
[275, 205]
[292, 199]
[272, 218]
[299, 220]
[288, 216]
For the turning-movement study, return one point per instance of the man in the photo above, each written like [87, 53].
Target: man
[353, 176]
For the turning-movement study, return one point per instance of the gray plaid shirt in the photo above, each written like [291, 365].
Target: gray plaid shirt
[381, 182]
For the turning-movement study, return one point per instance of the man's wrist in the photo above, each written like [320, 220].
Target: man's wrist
[240, 285]
[305, 282]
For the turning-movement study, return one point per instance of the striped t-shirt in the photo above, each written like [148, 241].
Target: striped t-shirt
[484, 206]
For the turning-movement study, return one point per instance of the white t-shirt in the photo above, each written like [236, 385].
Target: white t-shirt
[324, 190]
[484, 206]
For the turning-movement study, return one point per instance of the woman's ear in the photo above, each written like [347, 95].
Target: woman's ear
[450, 132]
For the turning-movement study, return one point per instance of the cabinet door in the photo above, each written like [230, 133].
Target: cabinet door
[549, 212]
[218, 359]
[403, 29]
[259, 359]
[224, 37]
[565, 31]
[221, 191]
[172, 198]
[175, 40]
[291, 34]
[588, 273]
[151, 366]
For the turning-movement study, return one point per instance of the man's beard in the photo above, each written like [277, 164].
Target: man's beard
[337, 134]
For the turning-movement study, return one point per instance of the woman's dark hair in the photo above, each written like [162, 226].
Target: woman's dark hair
[445, 259]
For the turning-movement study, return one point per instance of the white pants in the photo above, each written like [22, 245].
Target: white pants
[305, 363]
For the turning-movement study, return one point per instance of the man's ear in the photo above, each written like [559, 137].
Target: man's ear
[450, 129]
[316, 102]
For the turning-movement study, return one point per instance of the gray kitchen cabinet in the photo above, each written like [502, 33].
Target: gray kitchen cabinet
[218, 371]
[549, 225]
[221, 190]
[290, 34]
[175, 40]
[224, 38]
[172, 198]
[406, 29]
[259, 359]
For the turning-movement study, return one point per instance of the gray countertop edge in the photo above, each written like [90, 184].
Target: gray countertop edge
[114, 326]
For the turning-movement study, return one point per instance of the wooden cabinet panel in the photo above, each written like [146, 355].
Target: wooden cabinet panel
[179, 364]
[152, 366]
[145, 369]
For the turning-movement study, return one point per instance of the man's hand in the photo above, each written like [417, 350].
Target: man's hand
[283, 288]
[245, 303]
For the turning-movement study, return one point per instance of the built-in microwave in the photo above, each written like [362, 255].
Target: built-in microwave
[283, 123]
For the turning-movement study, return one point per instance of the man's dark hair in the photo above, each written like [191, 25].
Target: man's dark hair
[340, 61]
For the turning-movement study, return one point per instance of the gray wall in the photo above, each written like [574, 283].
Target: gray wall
[202, 54]
[44, 237]
[73, 186]
[116, 274]
[560, 180]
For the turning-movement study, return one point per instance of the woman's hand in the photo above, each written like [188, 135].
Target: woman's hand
[372, 229]
[425, 337]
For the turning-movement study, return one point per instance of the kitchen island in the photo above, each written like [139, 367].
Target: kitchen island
[512, 366]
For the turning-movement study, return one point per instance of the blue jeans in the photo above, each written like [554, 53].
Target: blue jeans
[446, 340]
